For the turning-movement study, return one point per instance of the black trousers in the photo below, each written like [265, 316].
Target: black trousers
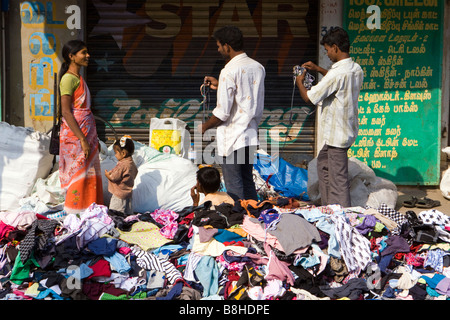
[237, 171]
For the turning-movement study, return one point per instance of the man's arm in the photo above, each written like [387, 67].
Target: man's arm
[299, 79]
[301, 87]
[226, 98]
[210, 123]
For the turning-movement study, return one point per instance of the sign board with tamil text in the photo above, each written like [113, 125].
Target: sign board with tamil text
[399, 45]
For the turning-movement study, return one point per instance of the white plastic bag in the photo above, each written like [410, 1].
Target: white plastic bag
[167, 135]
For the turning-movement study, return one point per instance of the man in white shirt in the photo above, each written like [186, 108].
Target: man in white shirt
[239, 109]
[338, 91]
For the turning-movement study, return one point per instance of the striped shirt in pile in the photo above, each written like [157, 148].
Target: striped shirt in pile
[150, 261]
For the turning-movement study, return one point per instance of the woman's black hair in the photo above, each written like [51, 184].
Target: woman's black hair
[230, 35]
[129, 146]
[209, 179]
[337, 36]
[71, 47]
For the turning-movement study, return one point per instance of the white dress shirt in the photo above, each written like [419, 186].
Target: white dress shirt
[240, 104]
[339, 91]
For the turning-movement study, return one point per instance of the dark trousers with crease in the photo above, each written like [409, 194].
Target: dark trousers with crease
[237, 172]
[332, 171]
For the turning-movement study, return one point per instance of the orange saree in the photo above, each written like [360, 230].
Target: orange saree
[80, 178]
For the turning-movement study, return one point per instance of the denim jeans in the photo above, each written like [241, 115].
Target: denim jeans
[237, 172]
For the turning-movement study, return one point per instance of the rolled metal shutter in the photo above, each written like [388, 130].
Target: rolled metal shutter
[149, 58]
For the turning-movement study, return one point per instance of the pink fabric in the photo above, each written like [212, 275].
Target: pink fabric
[4, 229]
[277, 269]
[256, 231]
[168, 219]
[124, 250]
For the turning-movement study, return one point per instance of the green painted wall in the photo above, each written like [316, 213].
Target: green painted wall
[400, 102]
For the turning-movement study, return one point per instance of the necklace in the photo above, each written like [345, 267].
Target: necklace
[76, 75]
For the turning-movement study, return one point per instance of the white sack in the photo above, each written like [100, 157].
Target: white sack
[163, 181]
[445, 184]
[445, 181]
[24, 158]
[366, 189]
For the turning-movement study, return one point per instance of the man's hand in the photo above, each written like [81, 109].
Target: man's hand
[200, 128]
[299, 79]
[311, 66]
[195, 195]
[211, 82]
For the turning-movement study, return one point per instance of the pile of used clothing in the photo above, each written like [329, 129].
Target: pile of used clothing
[269, 250]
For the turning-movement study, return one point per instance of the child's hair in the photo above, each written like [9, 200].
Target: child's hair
[209, 179]
[337, 36]
[125, 143]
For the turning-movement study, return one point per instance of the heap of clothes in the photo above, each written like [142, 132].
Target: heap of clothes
[268, 250]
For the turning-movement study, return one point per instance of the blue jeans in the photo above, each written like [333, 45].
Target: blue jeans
[237, 172]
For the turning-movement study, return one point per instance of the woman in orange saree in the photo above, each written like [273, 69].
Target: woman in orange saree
[79, 163]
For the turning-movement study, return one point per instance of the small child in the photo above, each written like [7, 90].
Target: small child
[208, 182]
[121, 177]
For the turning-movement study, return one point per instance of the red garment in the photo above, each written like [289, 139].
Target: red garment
[5, 229]
[101, 269]
[233, 276]
[399, 255]
[234, 243]
[416, 248]
[187, 219]
[93, 290]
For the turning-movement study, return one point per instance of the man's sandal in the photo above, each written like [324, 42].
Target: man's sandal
[427, 203]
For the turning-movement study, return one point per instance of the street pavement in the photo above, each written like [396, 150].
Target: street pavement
[431, 192]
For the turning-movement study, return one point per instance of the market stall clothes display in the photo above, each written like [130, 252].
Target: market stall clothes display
[277, 248]
[267, 250]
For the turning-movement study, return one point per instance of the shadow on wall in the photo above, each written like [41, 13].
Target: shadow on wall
[403, 174]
